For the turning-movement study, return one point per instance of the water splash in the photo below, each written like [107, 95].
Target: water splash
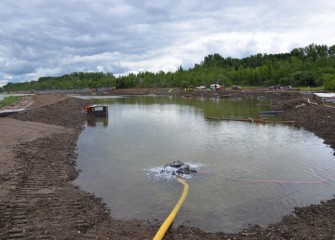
[169, 173]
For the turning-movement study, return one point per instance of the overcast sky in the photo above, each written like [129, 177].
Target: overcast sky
[51, 38]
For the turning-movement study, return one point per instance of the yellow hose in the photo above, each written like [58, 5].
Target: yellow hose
[168, 221]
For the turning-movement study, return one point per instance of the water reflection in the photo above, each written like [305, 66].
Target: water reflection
[213, 107]
[97, 121]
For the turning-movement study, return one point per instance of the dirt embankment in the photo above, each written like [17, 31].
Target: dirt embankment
[38, 163]
[309, 112]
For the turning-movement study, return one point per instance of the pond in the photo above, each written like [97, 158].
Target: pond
[247, 173]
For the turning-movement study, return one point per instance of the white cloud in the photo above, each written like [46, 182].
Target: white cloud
[4, 79]
[100, 69]
[39, 38]
[3, 82]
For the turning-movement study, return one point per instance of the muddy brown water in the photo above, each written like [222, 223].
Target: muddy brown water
[248, 173]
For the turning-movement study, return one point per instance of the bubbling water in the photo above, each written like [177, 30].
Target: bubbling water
[169, 173]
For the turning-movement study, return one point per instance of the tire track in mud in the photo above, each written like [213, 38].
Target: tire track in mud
[44, 204]
[37, 178]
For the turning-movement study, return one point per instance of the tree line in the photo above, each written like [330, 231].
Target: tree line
[313, 66]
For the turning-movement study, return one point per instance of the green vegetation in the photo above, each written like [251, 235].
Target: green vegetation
[69, 81]
[330, 86]
[8, 101]
[311, 66]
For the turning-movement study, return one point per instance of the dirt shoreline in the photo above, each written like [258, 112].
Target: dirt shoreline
[38, 164]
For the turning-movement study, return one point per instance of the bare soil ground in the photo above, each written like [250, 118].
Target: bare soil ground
[38, 164]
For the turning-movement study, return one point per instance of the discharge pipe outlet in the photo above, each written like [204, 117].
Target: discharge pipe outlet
[169, 220]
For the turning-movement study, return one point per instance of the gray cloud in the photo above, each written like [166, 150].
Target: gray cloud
[39, 38]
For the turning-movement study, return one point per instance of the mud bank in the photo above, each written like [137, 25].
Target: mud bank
[38, 200]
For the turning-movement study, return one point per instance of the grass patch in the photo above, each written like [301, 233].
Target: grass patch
[9, 101]
[311, 88]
